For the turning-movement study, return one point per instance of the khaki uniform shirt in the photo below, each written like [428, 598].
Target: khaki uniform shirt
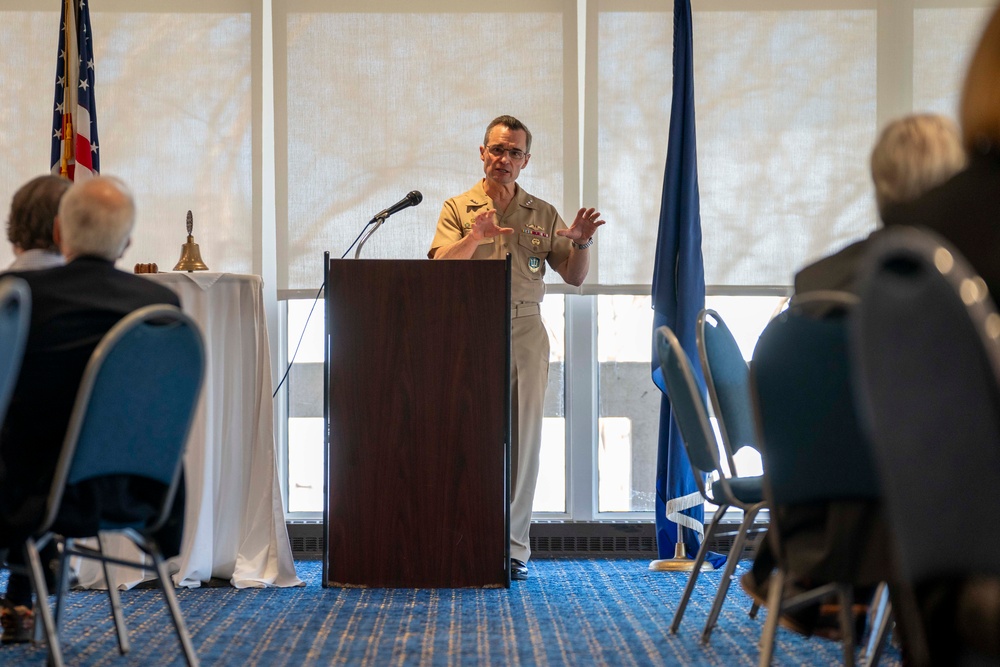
[532, 244]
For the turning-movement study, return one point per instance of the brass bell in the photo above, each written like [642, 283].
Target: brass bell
[190, 254]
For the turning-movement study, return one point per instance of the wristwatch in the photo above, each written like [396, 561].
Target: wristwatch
[583, 246]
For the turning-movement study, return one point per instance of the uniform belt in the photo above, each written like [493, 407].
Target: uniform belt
[524, 310]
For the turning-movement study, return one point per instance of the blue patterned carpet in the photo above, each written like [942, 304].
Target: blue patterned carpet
[570, 612]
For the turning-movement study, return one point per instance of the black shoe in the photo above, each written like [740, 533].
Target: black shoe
[18, 622]
[518, 570]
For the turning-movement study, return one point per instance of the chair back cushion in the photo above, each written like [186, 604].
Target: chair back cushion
[134, 410]
[928, 366]
[15, 315]
[688, 404]
[727, 376]
[810, 438]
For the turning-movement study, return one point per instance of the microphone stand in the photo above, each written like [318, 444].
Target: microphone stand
[375, 223]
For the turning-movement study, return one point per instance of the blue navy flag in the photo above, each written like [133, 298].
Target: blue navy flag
[678, 296]
[75, 151]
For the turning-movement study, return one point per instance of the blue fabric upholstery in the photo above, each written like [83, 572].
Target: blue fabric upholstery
[120, 465]
[818, 469]
[813, 446]
[124, 407]
[927, 339]
[15, 315]
[691, 413]
[747, 490]
[728, 378]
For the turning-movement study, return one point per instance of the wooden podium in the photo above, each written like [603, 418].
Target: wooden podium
[418, 423]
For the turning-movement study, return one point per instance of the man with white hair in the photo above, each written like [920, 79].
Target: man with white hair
[72, 307]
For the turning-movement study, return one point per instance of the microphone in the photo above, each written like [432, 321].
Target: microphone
[411, 199]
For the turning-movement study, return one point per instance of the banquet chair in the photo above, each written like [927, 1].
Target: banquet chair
[727, 379]
[927, 351]
[745, 493]
[127, 431]
[15, 315]
[815, 452]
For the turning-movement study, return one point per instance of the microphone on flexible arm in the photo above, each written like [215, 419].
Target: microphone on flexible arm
[411, 199]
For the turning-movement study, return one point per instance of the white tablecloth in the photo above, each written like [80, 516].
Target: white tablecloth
[234, 520]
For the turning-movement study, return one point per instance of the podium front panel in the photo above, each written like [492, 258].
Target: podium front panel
[419, 423]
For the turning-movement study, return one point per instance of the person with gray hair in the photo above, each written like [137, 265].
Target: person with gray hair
[29, 225]
[96, 219]
[913, 154]
[72, 307]
[964, 209]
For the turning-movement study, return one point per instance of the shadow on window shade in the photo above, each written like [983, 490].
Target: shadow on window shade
[378, 104]
[173, 97]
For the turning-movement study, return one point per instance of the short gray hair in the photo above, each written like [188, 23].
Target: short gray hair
[512, 124]
[914, 154]
[96, 218]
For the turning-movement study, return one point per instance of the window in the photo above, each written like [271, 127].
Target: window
[373, 99]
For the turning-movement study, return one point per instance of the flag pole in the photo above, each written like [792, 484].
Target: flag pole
[678, 294]
[69, 67]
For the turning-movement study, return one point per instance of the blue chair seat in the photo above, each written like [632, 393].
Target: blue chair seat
[748, 490]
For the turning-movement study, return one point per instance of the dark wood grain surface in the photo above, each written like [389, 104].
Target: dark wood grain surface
[419, 423]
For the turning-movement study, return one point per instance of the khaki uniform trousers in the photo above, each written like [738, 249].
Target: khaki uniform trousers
[529, 375]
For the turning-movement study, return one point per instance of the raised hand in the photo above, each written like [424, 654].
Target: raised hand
[484, 226]
[584, 225]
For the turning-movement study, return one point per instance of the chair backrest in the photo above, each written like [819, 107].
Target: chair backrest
[928, 359]
[810, 436]
[688, 403]
[135, 405]
[727, 377]
[15, 316]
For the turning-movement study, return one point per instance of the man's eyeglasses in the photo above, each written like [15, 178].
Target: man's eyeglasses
[498, 151]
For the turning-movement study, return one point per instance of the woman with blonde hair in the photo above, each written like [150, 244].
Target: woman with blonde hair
[912, 155]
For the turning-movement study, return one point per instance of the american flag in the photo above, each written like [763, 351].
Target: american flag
[75, 152]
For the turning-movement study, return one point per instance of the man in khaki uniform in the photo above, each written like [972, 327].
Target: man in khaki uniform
[533, 234]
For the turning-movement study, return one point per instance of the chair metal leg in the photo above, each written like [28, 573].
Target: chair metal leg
[63, 578]
[773, 614]
[116, 604]
[847, 622]
[42, 603]
[754, 608]
[727, 575]
[167, 586]
[699, 559]
[880, 621]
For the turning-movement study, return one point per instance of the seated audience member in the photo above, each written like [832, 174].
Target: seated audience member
[73, 306]
[964, 610]
[913, 154]
[966, 209]
[29, 227]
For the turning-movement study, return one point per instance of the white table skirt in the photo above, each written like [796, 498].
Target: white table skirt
[234, 521]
